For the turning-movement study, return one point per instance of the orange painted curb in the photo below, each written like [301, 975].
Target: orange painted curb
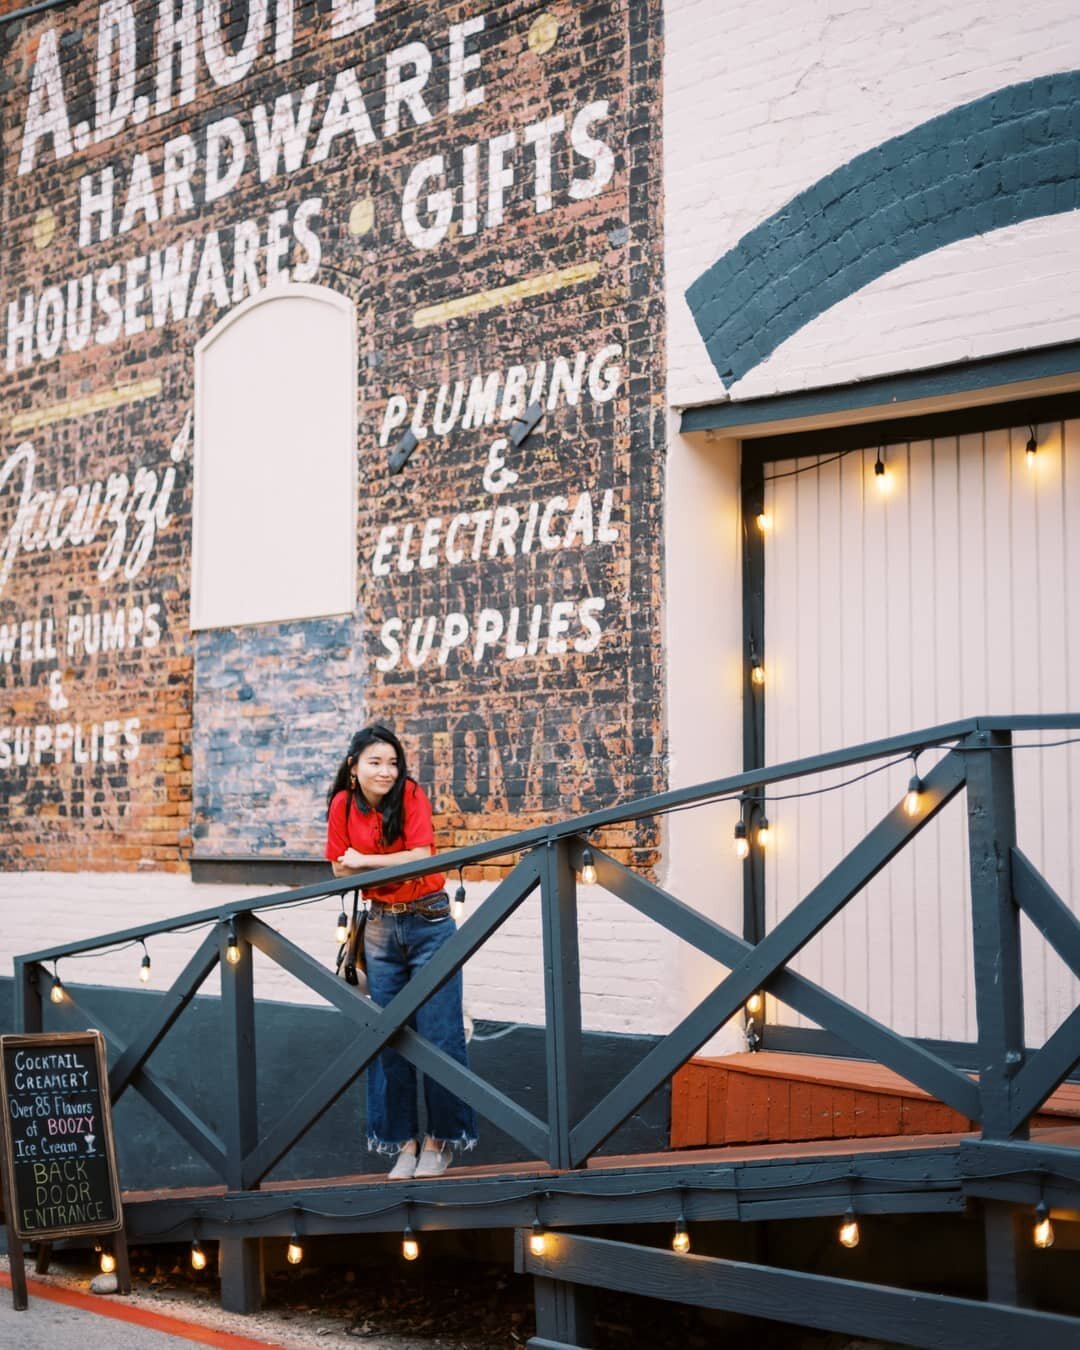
[103, 1306]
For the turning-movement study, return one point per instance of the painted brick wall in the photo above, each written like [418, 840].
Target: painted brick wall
[798, 94]
[417, 158]
[625, 959]
[269, 701]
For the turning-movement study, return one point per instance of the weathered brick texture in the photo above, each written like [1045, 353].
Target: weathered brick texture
[547, 122]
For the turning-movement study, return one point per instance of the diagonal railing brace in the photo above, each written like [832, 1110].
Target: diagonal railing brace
[790, 935]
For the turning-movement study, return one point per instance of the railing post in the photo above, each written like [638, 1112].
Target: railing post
[241, 1258]
[999, 1000]
[27, 996]
[562, 998]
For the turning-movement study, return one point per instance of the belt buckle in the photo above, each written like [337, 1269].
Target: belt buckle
[398, 907]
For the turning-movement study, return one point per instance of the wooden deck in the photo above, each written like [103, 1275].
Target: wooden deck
[795, 1151]
[778, 1097]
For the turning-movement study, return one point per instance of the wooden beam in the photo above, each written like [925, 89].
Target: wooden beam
[995, 919]
[165, 1012]
[171, 1107]
[562, 1001]
[1046, 910]
[756, 968]
[1045, 1071]
[860, 1031]
[934, 1321]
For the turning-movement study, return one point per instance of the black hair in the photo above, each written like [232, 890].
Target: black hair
[392, 806]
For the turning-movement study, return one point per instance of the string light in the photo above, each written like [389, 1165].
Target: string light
[107, 1263]
[1043, 1234]
[680, 1241]
[754, 1004]
[457, 907]
[757, 669]
[849, 1229]
[56, 993]
[588, 867]
[742, 844]
[764, 834]
[342, 925]
[1031, 449]
[294, 1252]
[144, 966]
[410, 1246]
[198, 1256]
[882, 475]
[538, 1239]
[763, 519]
[913, 798]
[232, 948]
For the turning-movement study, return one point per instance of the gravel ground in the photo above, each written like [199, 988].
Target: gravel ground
[442, 1302]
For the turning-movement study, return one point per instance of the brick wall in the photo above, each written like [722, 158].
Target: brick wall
[416, 158]
[798, 95]
[625, 959]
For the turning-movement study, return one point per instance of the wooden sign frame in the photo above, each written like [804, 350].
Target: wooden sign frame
[17, 1233]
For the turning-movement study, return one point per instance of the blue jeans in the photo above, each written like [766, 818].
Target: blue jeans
[396, 946]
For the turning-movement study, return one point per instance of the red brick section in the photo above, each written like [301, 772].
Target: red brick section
[501, 744]
[771, 1097]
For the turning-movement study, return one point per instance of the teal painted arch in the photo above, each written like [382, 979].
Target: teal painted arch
[1011, 156]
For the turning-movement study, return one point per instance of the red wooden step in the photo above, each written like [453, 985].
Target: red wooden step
[774, 1097]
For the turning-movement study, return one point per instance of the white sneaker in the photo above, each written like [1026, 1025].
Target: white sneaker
[434, 1162]
[404, 1167]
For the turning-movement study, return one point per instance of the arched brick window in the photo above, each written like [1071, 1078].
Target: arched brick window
[274, 516]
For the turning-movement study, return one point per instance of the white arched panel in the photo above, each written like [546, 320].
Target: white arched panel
[274, 515]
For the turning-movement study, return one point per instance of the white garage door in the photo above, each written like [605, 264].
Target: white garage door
[956, 594]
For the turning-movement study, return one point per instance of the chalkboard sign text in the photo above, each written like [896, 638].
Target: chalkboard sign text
[57, 1136]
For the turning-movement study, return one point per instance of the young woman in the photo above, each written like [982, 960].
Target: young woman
[378, 816]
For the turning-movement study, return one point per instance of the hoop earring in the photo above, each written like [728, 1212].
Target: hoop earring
[352, 779]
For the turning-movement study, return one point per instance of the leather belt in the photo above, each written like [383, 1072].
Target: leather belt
[420, 904]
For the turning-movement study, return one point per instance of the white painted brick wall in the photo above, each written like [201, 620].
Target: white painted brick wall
[625, 959]
[762, 101]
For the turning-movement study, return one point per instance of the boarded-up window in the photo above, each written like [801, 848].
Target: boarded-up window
[274, 526]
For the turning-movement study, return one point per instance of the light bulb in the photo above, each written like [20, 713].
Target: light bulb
[1030, 451]
[913, 799]
[342, 927]
[232, 950]
[754, 1004]
[108, 1263]
[849, 1230]
[764, 521]
[883, 477]
[56, 993]
[757, 673]
[144, 969]
[537, 1239]
[1043, 1234]
[764, 834]
[294, 1253]
[742, 844]
[410, 1247]
[198, 1256]
[457, 905]
[588, 867]
[681, 1241]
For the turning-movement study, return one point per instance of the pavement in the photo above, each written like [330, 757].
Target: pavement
[59, 1316]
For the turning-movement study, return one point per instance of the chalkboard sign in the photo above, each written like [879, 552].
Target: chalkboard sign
[59, 1156]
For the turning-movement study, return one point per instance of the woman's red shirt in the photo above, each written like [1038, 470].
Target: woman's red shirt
[363, 832]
